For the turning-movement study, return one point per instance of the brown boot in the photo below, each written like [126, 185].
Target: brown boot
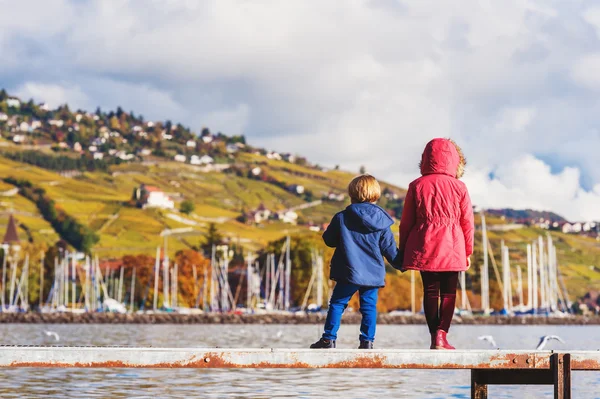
[441, 342]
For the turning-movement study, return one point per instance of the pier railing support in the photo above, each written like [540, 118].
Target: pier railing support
[558, 375]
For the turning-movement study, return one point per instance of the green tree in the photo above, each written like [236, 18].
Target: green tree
[187, 207]
[212, 237]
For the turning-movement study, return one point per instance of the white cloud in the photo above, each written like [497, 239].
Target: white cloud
[368, 82]
[54, 94]
[527, 182]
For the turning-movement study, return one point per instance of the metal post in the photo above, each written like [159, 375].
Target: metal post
[560, 364]
[413, 305]
[478, 386]
[156, 272]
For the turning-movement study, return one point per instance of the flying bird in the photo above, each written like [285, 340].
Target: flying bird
[544, 340]
[52, 334]
[488, 338]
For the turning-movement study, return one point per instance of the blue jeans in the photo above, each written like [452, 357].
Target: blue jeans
[339, 302]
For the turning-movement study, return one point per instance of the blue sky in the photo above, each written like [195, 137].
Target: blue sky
[350, 83]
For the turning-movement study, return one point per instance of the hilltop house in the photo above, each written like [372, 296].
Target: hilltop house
[3, 117]
[98, 155]
[13, 102]
[180, 158]
[256, 171]
[152, 197]
[296, 189]
[335, 197]
[24, 126]
[274, 155]
[190, 144]
[56, 122]
[290, 217]
[44, 107]
[258, 215]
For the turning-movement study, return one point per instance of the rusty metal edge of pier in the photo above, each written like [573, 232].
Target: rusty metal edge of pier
[213, 358]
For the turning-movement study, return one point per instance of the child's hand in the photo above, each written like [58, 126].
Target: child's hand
[468, 262]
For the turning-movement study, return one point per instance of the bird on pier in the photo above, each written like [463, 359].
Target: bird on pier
[544, 340]
[490, 339]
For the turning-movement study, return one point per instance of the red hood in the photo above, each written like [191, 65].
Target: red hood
[440, 157]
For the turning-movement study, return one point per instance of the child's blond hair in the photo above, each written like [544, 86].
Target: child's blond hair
[364, 188]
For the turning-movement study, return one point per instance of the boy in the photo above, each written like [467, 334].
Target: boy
[360, 235]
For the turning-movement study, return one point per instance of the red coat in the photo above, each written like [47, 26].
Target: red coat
[436, 231]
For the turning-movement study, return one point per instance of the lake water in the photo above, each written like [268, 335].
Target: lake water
[274, 383]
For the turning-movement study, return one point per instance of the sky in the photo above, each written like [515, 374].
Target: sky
[514, 82]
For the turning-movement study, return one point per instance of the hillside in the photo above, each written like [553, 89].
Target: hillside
[90, 165]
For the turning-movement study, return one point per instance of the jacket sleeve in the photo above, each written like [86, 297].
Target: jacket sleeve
[409, 216]
[331, 236]
[389, 250]
[467, 222]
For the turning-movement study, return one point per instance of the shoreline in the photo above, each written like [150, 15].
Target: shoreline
[313, 318]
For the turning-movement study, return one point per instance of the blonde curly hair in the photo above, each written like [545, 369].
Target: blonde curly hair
[462, 163]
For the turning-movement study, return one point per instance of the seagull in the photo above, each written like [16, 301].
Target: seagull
[544, 340]
[488, 338]
[52, 334]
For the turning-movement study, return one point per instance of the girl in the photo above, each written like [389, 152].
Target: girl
[436, 233]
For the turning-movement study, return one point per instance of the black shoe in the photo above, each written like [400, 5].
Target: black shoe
[323, 344]
[365, 345]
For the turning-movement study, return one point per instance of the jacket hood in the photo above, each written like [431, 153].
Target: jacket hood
[368, 217]
[442, 156]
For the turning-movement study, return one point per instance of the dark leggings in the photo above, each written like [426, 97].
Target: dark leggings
[436, 285]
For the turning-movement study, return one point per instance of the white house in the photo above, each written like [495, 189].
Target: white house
[145, 152]
[335, 197]
[289, 158]
[24, 126]
[180, 158]
[296, 189]
[36, 124]
[56, 122]
[150, 124]
[93, 148]
[190, 144]
[274, 155]
[256, 171]
[98, 155]
[195, 160]
[288, 217]
[206, 159]
[13, 102]
[3, 117]
[18, 138]
[45, 107]
[78, 117]
[577, 227]
[207, 139]
[232, 148]
[260, 214]
[152, 197]
[77, 147]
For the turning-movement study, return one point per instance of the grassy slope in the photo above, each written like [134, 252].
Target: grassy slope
[95, 198]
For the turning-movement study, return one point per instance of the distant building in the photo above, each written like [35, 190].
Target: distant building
[232, 148]
[207, 139]
[206, 160]
[288, 217]
[18, 138]
[335, 197]
[98, 155]
[56, 122]
[24, 126]
[289, 158]
[45, 107]
[3, 117]
[274, 155]
[152, 197]
[190, 144]
[260, 214]
[77, 147]
[180, 158]
[145, 152]
[296, 189]
[256, 171]
[13, 102]
[36, 124]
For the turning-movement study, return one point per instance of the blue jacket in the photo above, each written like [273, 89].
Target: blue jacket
[360, 235]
